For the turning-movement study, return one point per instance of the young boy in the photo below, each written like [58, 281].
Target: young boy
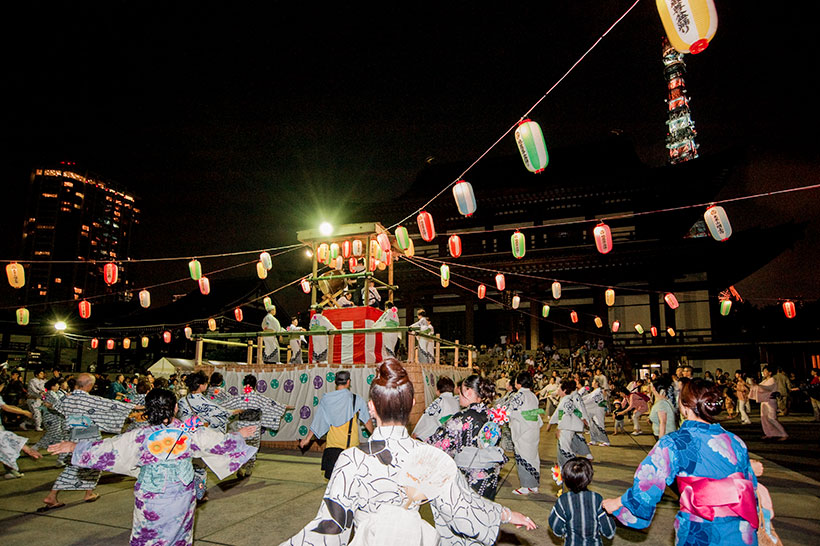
[619, 420]
[571, 418]
[578, 516]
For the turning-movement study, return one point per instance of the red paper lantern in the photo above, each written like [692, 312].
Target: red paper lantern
[110, 272]
[603, 238]
[481, 292]
[573, 316]
[110, 344]
[616, 326]
[305, 284]
[654, 331]
[500, 282]
[204, 286]
[95, 342]
[426, 227]
[347, 249]
[85, 309]
[454, 242]
[166, 336]
[671, 300]
[789, 309]
[238, 315]
[352, 263]
[373, 263]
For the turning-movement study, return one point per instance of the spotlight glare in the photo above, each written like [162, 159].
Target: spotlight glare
[325, 229]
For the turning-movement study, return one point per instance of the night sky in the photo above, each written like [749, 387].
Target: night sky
[237, 125]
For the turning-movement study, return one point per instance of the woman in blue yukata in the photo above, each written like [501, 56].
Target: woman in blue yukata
[159, 455]
[718, 505]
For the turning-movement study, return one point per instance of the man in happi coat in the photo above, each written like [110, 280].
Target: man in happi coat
[86, 416]
[319, 322]
[270, 344]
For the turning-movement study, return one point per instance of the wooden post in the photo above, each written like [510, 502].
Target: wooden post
[438, 349]
[411, 347]
[314, 285]
[198, 350]
[249, 358]
[390, 281]
[330, 355]
[470, 359]
[259, 351]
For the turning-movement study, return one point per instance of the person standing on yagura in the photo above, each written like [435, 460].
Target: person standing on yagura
[270, 344]
[338, 415]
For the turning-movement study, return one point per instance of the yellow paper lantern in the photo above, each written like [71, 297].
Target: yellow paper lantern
[16, 275]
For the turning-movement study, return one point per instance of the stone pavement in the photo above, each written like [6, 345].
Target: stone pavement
[286, 488]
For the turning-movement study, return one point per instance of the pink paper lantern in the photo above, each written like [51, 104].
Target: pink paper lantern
[603, 238]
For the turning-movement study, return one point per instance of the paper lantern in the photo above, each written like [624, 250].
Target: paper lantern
[126, 343]
[144, 342]
[725, 307]
[516, 301]
[689, 24]
[500, 282]
[335, 251]
[347, 249]
[639, 329]
[195, 269]
[261, 272]
[95, 342]
[718, 223]
[305, 284]
[598, 322]
[145, 298]
[402, 237]
[204, 286]
[573, 316]
[380, 265]
[268, 305]
[212, 324]
[426, 227]
[16, 275]
[384, 241]
[85, 309]
[609, 297]
[670, 332]
[358, 248]
[465, 198]
[654, 331]
[188, 331]
[445, 271]
[109, 344]
[445, 282]
[556, 290]
[789, 309]
[388, 258]
[531, 145]
[110, 273]
[352, 264]
[166, 336]
[374, 263]
[22, 316]
[238, 315]
[671, 300]
[481, 292]
[603, 238]
[454, 244]
[616, 326]
[376, 250]
[519, 244]
[545, 310]
[322, 252]
[265, 260]
[411, 250]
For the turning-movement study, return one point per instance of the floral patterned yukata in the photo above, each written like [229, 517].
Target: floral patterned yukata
[160, 457]
[378, 486]
[10, 445]
[695, 451]
[461, 438]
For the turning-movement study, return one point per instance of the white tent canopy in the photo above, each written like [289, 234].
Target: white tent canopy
[165, 367]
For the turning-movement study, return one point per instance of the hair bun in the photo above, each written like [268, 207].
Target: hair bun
[391, 373]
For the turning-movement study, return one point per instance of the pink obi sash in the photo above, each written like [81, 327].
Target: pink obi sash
[710, 498]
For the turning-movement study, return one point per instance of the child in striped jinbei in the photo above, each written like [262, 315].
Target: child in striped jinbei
[578, 515]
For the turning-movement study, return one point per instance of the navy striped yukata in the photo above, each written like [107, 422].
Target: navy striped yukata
[580, 519]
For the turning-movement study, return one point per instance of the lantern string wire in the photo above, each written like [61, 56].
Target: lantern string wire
[505, 305]
[512, 128]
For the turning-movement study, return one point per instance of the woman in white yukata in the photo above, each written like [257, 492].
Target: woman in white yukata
[295, 342]
[571, 418]
[378, 486]
[439, 411]
[159, 456]
[389, 319]
[320, 323]
[764, 393]
[525, 426]
[596, 406]
[11, 444]
[426, 345]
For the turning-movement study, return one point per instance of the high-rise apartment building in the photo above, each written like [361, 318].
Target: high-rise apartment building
[75, 223]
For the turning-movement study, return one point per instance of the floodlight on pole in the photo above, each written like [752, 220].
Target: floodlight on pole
[60, 325]
[326, 229]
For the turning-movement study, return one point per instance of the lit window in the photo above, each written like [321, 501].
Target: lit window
[52, 195]
[58, 280]
[78, 290]
[43, 292]
[68, 184]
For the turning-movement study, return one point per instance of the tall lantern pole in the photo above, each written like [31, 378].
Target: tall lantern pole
[314, 285]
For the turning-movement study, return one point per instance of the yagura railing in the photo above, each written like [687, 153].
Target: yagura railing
[252, 341]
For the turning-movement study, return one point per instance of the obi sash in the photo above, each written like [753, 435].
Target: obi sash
[154, 477]
[708, 498]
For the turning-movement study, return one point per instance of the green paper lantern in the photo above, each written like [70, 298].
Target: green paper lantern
[519, 245]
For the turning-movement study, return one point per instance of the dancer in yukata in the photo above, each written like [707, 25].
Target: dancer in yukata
[596, 405]
[389, 319]
[764, 393]
[255, 410]
[86, 415]
[53, 421]
[471, 436]
[525, 426]
[159, 456]
[439, 411]
[270, 344]
[379, 486]
[571, 418]
[295, 342]
[319, 323]
[426, 345]
[11, 444]
[716, 481]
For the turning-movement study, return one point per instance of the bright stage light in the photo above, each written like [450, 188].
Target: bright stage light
[326, 229]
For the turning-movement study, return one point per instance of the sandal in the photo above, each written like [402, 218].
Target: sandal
[48, 507]
[92, 499]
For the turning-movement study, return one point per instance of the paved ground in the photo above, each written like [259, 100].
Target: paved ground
[285, 490]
